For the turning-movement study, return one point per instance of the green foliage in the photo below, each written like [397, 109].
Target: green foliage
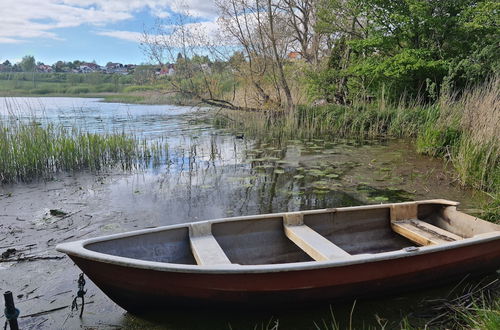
[28, 63]
[437, 141]
[61, 83]
[140, 88]
[408, 47]
[78, 90]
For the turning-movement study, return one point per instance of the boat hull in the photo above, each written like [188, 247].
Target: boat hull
[138, 289]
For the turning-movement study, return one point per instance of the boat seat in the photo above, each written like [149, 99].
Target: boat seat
[316, 246]
[206, 250]
[423, 233]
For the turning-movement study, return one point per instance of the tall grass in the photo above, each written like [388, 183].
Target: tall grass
[464, 129]
[29, 150]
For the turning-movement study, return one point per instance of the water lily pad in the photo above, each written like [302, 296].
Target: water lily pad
[315, 172]
[271, 159]
[320, 185]
[298, 176]
[332, 176]
[320, 192]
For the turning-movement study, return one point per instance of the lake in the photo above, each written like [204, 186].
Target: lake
[207, 173]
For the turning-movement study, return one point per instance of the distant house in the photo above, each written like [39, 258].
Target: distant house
[88, 67]
[130, 67]
[44, 68]
[116, 68]
[294, 56]
[85, 69]
[168, 70]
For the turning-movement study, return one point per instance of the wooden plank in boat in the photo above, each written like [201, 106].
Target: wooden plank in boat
[206, 250]
[423, 233]
[316, 246]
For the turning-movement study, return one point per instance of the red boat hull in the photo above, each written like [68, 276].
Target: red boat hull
[137, 289]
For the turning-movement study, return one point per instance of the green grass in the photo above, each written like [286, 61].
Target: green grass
[57, 84]
[29, 151]
[463, 130]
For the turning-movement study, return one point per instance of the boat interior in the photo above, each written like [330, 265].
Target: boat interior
[318, 235]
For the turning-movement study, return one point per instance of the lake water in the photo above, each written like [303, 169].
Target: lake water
[208, 173]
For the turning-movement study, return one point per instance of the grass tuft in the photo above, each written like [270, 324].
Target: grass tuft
[29, 150]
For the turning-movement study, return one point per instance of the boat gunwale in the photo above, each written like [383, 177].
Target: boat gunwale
[78, 248]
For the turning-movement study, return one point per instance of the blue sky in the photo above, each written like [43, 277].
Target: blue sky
[100, 30]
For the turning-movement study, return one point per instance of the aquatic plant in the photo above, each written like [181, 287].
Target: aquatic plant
[460, 128]
[30, 150]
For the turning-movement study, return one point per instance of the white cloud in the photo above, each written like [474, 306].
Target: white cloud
[25, 19]
[4, 40]
[124, 35]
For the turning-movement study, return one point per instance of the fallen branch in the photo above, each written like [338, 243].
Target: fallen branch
[20, 259]
[50, 310]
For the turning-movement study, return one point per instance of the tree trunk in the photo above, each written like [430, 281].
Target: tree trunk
[279, 63]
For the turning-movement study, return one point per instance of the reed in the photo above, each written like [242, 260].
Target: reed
[29, 150]
[463, 129]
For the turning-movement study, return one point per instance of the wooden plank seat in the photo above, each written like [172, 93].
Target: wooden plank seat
[206, 250]
[316, 246]
[423, 233]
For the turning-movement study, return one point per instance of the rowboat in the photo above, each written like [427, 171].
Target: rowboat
[291, 257]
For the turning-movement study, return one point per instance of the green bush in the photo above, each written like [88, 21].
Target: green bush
[105, 88]
[41, 91]
[437, 141]
[78, 90]
[139, 88]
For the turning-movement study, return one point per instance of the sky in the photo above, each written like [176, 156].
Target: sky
[100, 30]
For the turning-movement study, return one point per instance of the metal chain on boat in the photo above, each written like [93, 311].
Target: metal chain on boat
[80, 294]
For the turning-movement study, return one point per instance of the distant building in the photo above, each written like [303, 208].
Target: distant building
[44, 68]
[116, 68]
[294, 56]
[168, 70]
[88, 67]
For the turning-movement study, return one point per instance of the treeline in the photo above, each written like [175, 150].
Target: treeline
[12, 84]
[421, 69]
[413, 48]
[291, 52]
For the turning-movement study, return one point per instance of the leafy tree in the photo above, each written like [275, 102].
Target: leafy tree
[408, 46]
[28, 63]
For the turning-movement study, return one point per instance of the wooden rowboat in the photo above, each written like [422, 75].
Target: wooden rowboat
[290, 257]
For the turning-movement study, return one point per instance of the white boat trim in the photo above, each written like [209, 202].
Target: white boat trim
[78, 248]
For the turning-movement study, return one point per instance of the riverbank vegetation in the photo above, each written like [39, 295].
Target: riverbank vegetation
[30, 150]
[369, 69]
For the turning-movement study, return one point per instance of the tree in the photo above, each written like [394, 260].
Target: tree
[409, 46]
[28, 63]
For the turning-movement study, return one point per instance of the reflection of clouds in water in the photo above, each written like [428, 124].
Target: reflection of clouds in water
[208, 173]
[95, 116]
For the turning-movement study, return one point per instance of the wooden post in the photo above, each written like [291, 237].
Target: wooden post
[11, 313]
